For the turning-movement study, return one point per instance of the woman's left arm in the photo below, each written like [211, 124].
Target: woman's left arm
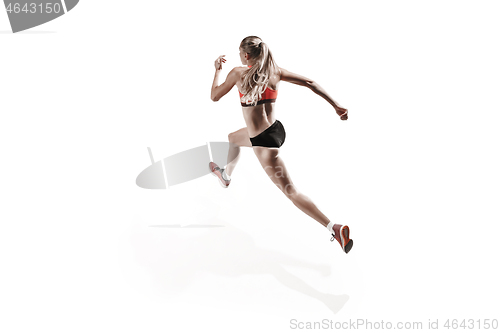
[224, 88]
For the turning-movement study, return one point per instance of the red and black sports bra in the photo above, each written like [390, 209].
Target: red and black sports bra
[268, 96]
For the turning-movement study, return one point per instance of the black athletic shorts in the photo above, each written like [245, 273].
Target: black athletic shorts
[273, 136]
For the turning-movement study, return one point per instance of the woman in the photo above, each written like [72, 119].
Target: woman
[258, 87]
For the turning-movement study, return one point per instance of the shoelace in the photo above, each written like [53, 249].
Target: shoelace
[333, 238]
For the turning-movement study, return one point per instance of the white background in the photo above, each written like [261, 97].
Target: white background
[413, 172]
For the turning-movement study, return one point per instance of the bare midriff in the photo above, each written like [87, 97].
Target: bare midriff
[260, 117]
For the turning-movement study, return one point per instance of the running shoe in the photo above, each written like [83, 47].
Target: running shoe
[342, 236]
[216, 171]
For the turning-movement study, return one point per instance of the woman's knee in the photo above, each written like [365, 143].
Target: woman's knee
[240, 138]
[233, 141]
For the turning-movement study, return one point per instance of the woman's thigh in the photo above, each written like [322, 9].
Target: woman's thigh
[275, 168]
[240, 137]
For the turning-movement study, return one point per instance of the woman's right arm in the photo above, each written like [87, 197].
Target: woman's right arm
[315, 87]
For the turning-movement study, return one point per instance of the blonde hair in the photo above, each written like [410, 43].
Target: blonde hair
[256, 78]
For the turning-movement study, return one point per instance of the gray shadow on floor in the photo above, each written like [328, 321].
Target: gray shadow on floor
[230, 252]
[27, 32]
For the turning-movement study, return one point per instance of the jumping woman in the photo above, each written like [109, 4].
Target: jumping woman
[257, 83]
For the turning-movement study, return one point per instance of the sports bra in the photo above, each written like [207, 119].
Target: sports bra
[268, 96]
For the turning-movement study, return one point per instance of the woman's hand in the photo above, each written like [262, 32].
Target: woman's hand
[218, 62]
[342, 113]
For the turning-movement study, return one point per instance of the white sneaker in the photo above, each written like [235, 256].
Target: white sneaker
[216, 171]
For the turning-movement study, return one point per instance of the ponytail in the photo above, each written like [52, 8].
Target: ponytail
[256, 78]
